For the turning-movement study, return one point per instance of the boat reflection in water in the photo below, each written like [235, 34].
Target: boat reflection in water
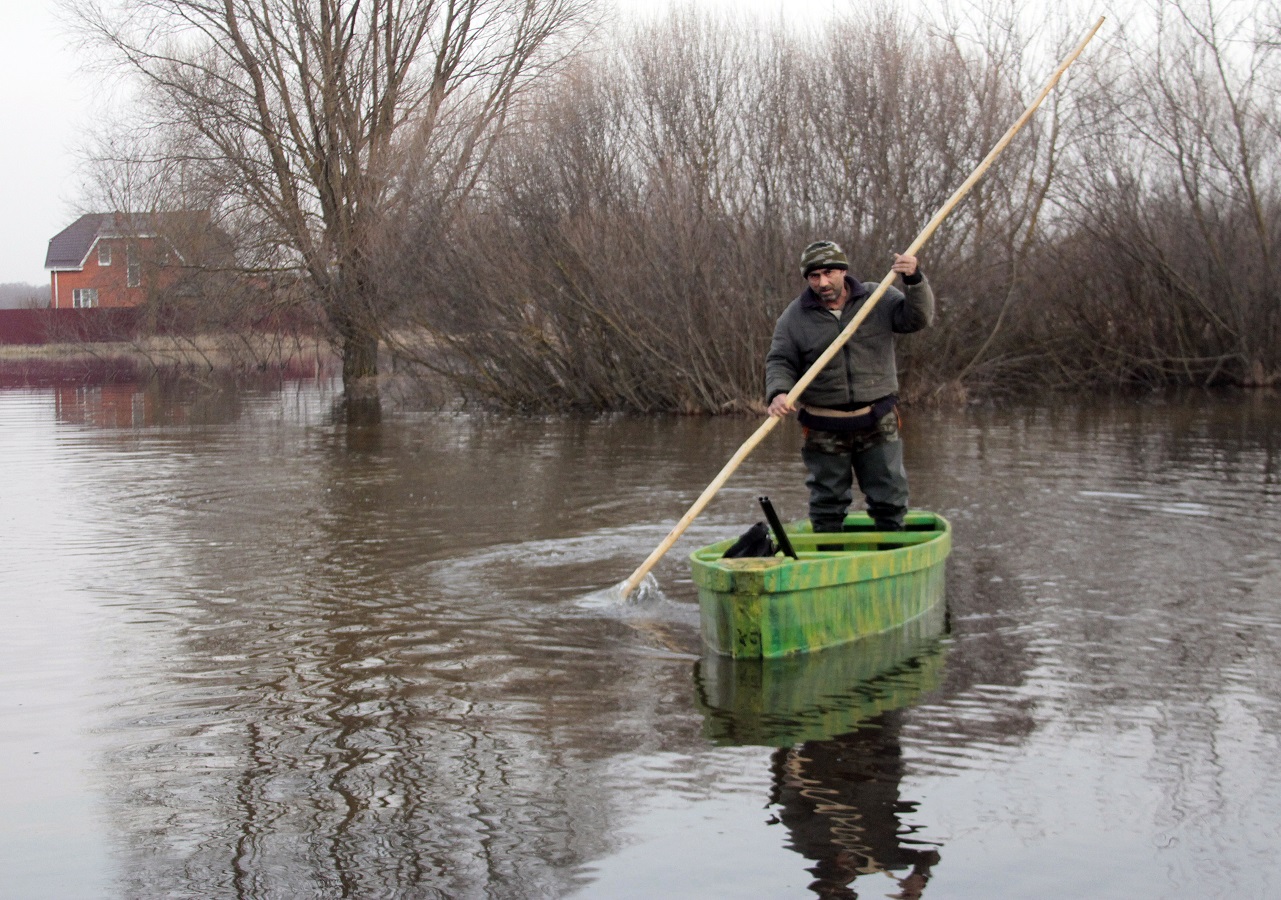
[835, 717]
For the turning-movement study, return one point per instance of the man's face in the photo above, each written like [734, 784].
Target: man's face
[829, 284]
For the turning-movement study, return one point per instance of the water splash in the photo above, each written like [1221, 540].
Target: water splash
[646, 594]
[669, 628]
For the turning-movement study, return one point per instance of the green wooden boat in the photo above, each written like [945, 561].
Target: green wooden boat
[841, 587]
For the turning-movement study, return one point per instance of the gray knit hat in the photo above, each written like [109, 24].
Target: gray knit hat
[823, 255]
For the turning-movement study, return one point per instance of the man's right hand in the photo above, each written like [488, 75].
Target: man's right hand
[779, 406]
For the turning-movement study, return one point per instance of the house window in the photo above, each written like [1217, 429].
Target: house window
[133, 268]
[83, 298]
[104, 254]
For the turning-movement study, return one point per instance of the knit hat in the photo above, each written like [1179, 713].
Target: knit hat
[823, 255]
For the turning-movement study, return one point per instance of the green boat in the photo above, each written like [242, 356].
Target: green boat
[840, 586]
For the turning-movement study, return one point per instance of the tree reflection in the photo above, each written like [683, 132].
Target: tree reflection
[342, 697]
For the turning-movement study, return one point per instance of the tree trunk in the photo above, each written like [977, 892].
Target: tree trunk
[360, 377]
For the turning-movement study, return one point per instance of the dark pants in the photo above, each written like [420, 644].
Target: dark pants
[874, 458]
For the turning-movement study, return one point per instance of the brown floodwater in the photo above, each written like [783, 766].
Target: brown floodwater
[249, 651]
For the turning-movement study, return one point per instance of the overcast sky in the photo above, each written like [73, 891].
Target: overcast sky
[41, 105]
[47, 105]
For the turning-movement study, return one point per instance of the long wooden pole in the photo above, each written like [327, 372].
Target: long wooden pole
[634, 580]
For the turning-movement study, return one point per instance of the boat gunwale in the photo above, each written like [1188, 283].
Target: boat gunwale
[779, 574]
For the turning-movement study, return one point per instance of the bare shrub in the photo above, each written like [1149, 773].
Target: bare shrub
[1170, 272]
[640, 232]
[306, 125]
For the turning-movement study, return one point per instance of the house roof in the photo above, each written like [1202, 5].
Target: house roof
[69, 248]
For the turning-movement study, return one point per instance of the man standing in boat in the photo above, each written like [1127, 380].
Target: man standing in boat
[849, 413]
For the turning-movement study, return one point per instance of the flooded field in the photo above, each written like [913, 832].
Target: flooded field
[252, 652]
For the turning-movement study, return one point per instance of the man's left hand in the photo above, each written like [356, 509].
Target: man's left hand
[904, 264]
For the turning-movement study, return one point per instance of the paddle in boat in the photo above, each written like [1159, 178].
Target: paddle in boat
[820, 590]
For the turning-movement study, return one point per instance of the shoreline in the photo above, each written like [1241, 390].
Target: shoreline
[198, 356]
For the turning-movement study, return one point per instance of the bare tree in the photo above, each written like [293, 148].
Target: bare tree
[652, 207]
[311, 125]
[1178, 204]
[648, 208]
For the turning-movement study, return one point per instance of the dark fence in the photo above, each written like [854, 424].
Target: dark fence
[67, 326]
[98, 325]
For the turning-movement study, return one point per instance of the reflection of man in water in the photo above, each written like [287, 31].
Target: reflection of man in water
[839, 799]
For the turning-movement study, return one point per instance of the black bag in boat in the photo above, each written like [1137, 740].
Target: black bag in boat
[756, 541]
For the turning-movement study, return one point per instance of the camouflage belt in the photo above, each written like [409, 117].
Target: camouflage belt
[866, 419]
[835, 413]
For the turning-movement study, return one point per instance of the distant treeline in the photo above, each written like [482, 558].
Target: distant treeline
[642, 229]
[559, 218]
[14, 295]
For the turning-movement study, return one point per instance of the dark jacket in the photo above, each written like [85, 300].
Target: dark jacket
[864, 370]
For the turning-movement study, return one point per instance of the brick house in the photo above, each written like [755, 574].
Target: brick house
[115, 259]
